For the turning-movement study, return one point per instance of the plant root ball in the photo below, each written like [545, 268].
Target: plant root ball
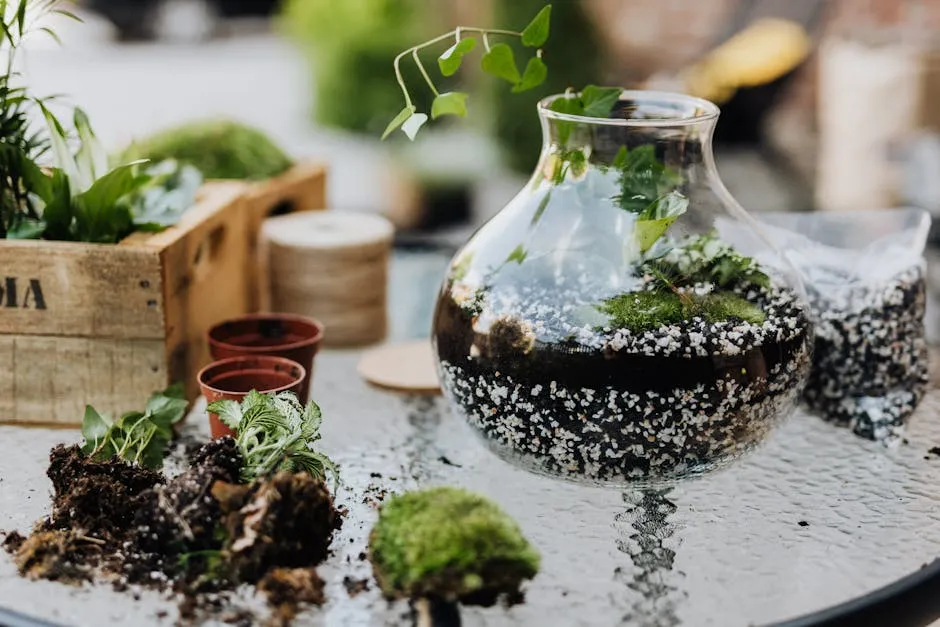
[285, 521]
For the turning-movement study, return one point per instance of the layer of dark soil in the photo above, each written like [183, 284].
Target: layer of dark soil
[573, 365]
[660, 409]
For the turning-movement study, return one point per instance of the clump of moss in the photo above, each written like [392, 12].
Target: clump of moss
[646, 311]
[452, 545]
[220, 149]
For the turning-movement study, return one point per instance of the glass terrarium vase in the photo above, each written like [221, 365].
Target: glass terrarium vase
[604, 326]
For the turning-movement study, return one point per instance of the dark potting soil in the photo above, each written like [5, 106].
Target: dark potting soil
[607, 405]
[96, 498]
[199, 534]
[287, 521]
[288, 589]
[870, 363]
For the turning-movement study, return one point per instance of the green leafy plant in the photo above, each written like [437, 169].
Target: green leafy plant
[169, 192]
[275, 432]
[138, 437]
[498, 60]
[219, 149]
[80, 197]
[21, 145]
[707, 259]
[649, 189]
[448, 543]
[83, 198]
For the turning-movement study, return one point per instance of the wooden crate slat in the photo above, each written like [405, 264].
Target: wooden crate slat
[205, 280]
[51, 379]
[90, 290]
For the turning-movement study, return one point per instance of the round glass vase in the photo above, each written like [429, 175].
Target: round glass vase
[623, 320]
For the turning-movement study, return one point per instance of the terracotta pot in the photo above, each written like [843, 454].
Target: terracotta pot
[281, 335]
[233, 378]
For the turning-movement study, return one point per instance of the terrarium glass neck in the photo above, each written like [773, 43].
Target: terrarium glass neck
[679, 126]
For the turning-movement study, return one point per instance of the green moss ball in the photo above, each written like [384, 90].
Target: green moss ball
[447, 543]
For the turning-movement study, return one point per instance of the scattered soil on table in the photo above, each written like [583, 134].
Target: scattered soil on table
[288, 588]
[12, 541]
[57, 556]
[355, 586]
[200, 534]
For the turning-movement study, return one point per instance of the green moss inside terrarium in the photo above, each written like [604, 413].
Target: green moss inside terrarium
[646, 311]
[449, 543]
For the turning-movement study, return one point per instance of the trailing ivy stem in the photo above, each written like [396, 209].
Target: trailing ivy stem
[424, 72]
[486, 42]
[457, 32]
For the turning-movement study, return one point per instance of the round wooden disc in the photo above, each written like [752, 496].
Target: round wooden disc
[406, 367]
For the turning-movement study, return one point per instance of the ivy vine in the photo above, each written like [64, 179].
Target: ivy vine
[499, 60]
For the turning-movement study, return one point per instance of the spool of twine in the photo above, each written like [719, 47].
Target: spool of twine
[332, 266]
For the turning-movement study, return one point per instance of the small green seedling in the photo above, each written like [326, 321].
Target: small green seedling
[137, 437]
[275, 432]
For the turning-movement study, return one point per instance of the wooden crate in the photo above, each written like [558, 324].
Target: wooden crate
[108, 324]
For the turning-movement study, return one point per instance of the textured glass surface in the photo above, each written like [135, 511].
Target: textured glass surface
[726, 550]
[729, 549]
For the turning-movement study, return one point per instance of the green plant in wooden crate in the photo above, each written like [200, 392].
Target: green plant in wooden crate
[220, 149]
[87, 200]
[79, 197]
[21, 145]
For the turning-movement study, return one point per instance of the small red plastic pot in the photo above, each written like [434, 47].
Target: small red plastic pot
[281, 335]
[233, 378]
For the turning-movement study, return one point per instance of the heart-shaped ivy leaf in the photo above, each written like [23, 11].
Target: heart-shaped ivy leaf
[501, 62]
[450, 103]
[449, 62]
[400, 119]
[533, 76]
[536, 33]
[413, 124]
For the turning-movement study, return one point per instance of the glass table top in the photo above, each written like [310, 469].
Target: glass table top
[813, 518]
